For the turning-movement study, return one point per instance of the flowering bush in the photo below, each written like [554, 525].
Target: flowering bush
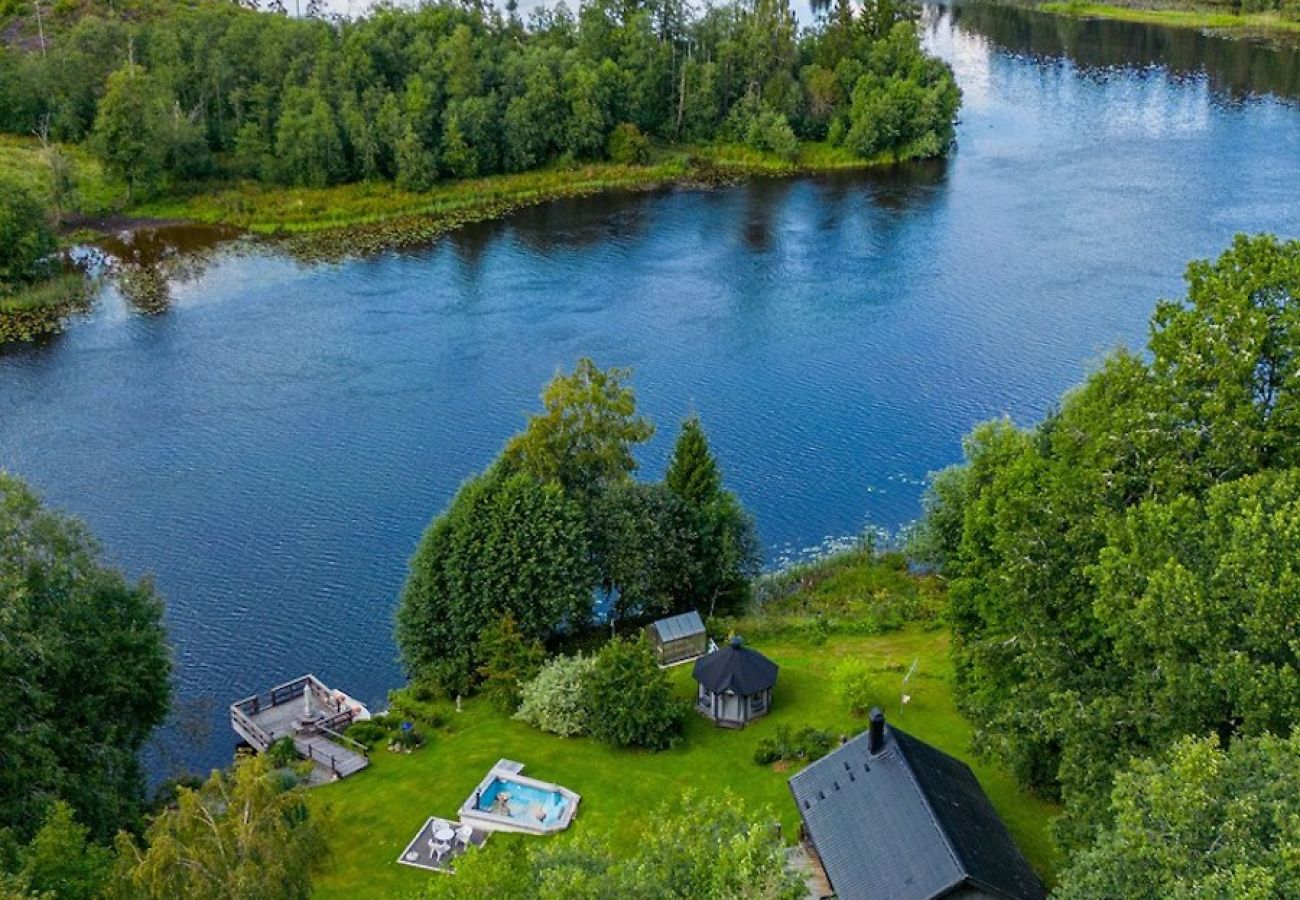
[554, 700]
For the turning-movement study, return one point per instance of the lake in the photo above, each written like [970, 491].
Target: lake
[269, 438]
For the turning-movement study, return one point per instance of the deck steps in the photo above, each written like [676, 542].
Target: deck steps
[328, 756]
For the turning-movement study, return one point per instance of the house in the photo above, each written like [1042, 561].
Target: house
[677, 639]
[735, 684]
[892, 818]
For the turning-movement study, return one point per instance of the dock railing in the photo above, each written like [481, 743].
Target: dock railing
[247, 728]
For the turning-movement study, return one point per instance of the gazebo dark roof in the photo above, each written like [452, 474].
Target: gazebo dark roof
[735, 668]
[907, 822]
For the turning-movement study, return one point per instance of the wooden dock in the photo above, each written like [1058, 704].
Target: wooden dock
[310, 714]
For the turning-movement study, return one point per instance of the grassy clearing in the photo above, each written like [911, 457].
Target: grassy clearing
[376, 812]
[1259, 23]
[96, 193]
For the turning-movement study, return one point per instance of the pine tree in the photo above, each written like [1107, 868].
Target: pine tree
[507, 659]
[726, 552]
[693, 473]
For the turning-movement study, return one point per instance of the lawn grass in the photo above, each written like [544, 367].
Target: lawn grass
[1262, 22]
[375, 813]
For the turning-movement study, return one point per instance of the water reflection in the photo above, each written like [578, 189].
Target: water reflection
[145, 263]
[1235, 69]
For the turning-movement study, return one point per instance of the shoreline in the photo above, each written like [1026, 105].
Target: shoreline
[366, 218]
[356, 220]
[1261, 26]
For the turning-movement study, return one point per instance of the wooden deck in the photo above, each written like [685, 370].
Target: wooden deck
[802, 859]
[312, 716]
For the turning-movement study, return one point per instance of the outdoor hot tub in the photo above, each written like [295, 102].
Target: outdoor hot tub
[508, 801]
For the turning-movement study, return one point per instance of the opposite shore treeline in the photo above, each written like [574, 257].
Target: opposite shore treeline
[211, 110]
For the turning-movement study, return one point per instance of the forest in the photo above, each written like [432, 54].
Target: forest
[168, 95]
[1123, 586]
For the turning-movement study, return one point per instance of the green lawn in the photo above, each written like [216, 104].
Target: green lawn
[376, 812]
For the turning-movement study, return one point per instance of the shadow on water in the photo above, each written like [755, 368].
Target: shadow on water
[1234, 68]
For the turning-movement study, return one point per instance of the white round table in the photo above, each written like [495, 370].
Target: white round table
[444, 835]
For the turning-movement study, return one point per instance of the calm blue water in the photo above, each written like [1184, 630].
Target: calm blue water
[272, 444]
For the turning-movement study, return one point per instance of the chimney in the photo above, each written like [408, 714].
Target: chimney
[876, 736]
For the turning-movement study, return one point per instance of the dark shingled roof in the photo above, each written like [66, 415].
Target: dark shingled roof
[735, 668]
[676, 627]
[907, 823]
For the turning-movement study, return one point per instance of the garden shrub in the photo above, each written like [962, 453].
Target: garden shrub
[421, 703]
[282, 753]
[630, 698]
[856, 686]
[808, 744]
[406, 737]
[370, 733]
[555, 699]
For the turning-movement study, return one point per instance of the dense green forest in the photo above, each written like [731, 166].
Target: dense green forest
[171, 93]
[1125, 574]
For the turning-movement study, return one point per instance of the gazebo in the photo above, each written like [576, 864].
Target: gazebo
[735, 684]
[678, 638]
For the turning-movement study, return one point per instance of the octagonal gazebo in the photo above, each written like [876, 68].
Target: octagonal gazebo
[735, 684]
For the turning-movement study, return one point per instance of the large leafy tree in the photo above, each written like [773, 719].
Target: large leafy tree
[132, 133]
[243, 833]
[84, 670]
[1199, 821]
[584, 437]
[1119, 575]
[508, 544]
[644, 542]
[60, 861]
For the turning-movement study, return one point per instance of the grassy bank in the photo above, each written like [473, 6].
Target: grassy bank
[295, 211]
[95, 192]
[1247, 24]
[43, 308]
[375, 813]
[367, 217]
[358, 219]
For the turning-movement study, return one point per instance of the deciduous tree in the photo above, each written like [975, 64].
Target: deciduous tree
[584, 437]
[84, 670]
[242, 834]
